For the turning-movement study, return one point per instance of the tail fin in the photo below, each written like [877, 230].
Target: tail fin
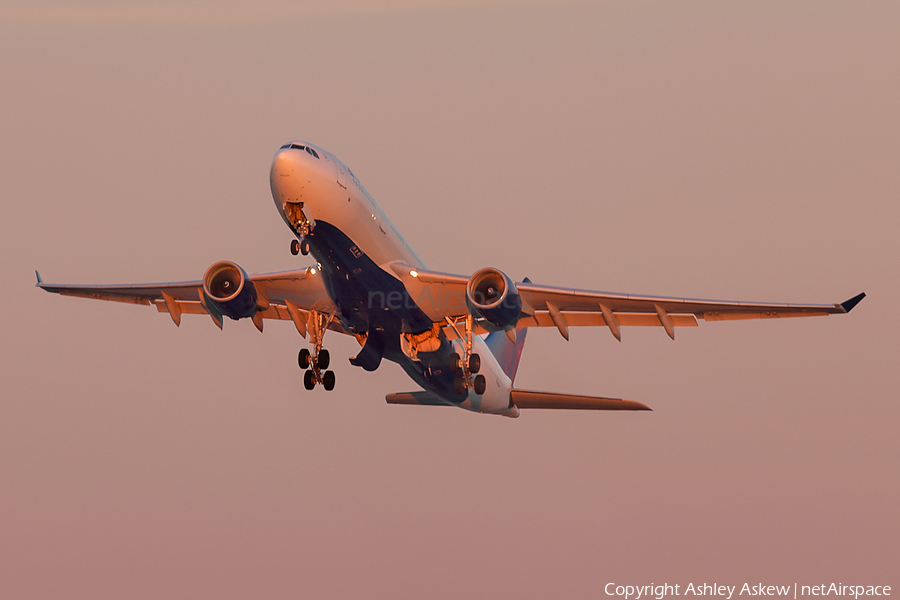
[507, 352]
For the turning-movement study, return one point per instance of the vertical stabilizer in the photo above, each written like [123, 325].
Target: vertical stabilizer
[507, 352]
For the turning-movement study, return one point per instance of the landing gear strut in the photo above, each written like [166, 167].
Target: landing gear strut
[318, 359]
[301, 224]
[467, 365]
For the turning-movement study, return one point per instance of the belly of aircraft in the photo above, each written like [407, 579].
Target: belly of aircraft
[375, 304]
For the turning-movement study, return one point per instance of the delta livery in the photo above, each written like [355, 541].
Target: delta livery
[459, 338]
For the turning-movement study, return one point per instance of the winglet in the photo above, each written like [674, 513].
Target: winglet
[40, 281]
[849, 304]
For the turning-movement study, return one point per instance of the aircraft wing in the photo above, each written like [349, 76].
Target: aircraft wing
[286, 295]
[442, 296]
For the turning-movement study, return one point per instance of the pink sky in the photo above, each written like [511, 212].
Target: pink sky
[702, 149]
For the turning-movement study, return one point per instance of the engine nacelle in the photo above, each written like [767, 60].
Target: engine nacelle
[229, 291]
[493, 296]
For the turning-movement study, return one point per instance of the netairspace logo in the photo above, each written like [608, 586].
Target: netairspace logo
[637, 592]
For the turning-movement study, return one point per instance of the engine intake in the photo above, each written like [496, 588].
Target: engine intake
[228, 290]
[492, 295]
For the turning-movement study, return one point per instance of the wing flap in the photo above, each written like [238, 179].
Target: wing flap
[773, 314]
[134, 293]
[532, 399]
[595, 319]
[275, 312]
[102, 296]
[185, 307]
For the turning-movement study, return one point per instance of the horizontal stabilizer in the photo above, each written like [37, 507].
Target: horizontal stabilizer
[421, 398]
[532, 399]
[528, 399]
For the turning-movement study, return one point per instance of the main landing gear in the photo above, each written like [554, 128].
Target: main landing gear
[316, 361]
[467, 366]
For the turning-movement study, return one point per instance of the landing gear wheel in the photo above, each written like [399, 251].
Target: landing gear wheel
[295, 247]
[454, 362]
[459, 385]
[328, 380]
[303, 358]
[324, 359]
[304, 247]
[479, 384]
[309, 380]
[474, 363]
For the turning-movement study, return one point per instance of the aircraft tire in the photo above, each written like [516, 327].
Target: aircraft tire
[454, 362]
[459, 385]
[474, 363]
[328, 380]
[324, 359]
[480, 384]
[303, 358]
[295, 247]
[309, 380]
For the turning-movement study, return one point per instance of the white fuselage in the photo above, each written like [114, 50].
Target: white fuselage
[310, 177]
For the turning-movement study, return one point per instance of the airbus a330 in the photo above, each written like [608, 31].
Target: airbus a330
[459, 338]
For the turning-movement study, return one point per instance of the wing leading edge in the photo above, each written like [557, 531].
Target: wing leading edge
[285, 295]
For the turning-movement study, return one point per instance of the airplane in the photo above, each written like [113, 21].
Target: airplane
[459, 338]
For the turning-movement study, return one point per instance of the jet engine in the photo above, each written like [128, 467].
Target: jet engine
[229, 291]
[493, 296]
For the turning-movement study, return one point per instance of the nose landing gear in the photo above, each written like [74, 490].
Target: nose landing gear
[299, 247]
[301, 224]
[318, 360]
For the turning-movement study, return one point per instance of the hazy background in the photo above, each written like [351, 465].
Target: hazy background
[704, 149]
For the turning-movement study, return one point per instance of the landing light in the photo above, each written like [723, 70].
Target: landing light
[312, 270]
[414, 274]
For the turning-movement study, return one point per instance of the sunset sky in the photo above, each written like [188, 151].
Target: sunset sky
[735, 151]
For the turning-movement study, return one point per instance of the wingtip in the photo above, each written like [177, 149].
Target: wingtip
[849, 304]
[39, 280]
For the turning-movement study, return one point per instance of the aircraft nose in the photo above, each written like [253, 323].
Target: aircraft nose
[300, 173]
[284, 164]
[286, 177]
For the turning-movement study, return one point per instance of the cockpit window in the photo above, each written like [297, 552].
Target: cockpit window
[300, 147]
[285, 146]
